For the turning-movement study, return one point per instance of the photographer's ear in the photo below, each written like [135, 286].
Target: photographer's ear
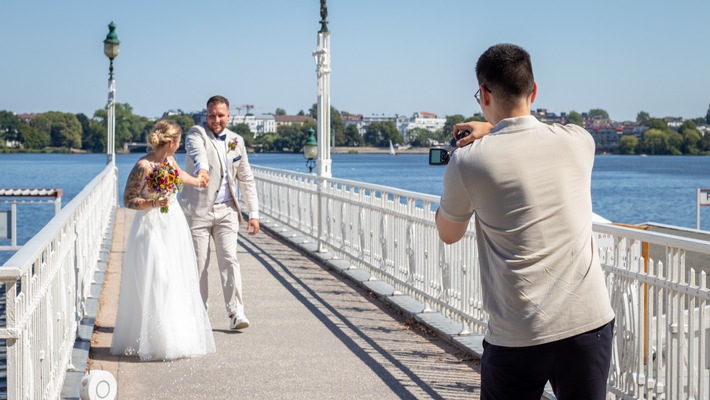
[534, 93]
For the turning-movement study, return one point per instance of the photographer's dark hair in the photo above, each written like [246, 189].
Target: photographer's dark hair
[506, 70]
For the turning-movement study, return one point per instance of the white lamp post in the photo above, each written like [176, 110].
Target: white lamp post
[322, 57]
[111, 48]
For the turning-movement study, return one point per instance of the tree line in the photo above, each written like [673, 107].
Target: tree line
[658, 138]
[59, 131]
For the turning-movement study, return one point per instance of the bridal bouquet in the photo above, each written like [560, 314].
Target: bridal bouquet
[164, 180]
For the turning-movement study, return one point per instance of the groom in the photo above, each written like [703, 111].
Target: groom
[218, 155]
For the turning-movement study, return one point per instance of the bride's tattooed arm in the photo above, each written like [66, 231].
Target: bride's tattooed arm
[134, 184]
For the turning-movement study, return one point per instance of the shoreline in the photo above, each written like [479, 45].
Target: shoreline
[377, 150]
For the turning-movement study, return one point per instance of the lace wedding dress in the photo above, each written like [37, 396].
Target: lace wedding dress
[160, 311]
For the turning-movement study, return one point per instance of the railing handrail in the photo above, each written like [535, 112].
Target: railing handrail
[662, 305]
[48, 286]
[25, 256]
[370, 186]
[688, 244]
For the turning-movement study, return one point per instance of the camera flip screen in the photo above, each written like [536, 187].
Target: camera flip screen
[438, 157]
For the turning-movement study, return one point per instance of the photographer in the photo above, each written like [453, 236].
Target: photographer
[529, 185]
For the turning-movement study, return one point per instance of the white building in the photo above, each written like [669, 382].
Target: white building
[362, 122]
[258, 124]
[422, 120]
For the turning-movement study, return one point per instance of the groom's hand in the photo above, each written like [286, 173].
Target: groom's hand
[253, 226]
[204, 178]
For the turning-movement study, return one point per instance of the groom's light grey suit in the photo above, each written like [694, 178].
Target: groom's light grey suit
[218, 220]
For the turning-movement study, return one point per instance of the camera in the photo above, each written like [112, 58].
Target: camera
[440, 155]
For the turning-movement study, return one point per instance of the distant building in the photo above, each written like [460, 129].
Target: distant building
[27, 117]
[549, 117]
[284, 120]
[404, 124]
[170, 113]
[421, 120]
[258, 124]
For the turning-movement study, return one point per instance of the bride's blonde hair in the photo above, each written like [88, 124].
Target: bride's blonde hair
[164, 132]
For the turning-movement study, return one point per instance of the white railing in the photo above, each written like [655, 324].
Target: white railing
[662, 318]
[47, 283]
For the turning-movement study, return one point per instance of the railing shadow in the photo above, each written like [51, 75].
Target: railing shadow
[360, 330]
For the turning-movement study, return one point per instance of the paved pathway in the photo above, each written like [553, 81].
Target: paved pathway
[314, 335]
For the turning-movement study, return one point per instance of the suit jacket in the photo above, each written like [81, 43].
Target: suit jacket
[201, 146]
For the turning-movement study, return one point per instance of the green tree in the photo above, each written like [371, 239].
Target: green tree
[290, 138]
[598, 113]
[687, 124]
[675, 142]
[93, 135]
[628, 144]
[707, 116]
[64, 129]
[280, 111]
[243, 129]
[654, 142]
[451, 120]
[656, 123]
[643, 118]
[265, 142]
[9, 127]
[32, 138]
[353, 138]
[337, 127]
[380, 133]
[573, 117]
[705, 143]
[420, 137]
[313, 111]
[185, 121]
[129, 127]
[692, 142]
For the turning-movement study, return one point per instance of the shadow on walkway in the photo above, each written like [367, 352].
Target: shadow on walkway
[313, 336]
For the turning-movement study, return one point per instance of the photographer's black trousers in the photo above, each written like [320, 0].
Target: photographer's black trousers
[577, 368]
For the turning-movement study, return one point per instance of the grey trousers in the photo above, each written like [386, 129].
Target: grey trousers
[222, 225]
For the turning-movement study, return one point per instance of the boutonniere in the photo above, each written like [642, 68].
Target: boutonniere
[233, 144]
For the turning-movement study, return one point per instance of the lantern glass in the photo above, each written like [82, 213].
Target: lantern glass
[310, 151]
[111, 50]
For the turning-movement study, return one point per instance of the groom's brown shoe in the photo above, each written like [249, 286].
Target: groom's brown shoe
[238, 321]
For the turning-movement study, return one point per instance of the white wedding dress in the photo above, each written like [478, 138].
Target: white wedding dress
[160, 311]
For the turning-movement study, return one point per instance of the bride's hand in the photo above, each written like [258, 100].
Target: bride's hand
[160, 202]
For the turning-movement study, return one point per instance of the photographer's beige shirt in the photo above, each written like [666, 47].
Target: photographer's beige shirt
[529, 185]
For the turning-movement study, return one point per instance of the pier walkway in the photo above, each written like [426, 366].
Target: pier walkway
[314, 335]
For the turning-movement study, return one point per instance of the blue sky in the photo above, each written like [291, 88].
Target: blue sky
[388, 56]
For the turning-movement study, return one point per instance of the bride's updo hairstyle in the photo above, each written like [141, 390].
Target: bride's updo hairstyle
[164, 132]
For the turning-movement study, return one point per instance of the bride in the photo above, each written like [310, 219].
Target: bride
[160, 311]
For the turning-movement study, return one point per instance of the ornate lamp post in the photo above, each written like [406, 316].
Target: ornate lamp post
[322, 58]
[111, 48]
[310, 150]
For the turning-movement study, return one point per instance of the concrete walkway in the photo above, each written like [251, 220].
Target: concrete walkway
[314, 335]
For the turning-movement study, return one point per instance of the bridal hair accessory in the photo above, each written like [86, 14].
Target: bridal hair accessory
[98, 385]
[233, 144]
[163, 181]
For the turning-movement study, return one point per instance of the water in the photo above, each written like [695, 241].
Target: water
[629, 189]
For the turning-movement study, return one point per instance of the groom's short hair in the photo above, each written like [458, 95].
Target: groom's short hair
[218, 100]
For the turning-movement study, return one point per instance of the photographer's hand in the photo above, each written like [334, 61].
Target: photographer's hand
[477, 129]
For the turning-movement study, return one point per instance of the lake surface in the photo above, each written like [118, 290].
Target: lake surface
[628, 189]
